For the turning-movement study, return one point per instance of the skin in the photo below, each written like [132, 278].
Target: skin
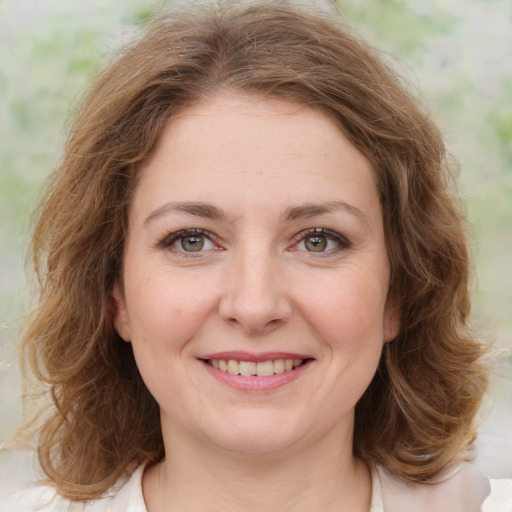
[256, 286]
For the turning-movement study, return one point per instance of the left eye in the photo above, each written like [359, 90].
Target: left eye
[193, 243]
[321, 241]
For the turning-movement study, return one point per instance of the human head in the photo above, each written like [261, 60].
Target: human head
[417, 414]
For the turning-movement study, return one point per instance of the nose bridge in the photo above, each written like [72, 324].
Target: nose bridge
[255, 296]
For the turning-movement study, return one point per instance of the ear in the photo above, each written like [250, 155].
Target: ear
[120, 313]
[391, 320]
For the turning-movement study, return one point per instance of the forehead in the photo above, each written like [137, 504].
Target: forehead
[267, 125]
[245, 149]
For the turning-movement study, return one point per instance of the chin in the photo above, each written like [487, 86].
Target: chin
[256, 444]
[255, 436]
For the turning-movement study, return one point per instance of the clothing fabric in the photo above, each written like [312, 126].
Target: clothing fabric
[464, 489]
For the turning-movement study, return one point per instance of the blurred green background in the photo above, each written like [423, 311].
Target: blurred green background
[457, 56]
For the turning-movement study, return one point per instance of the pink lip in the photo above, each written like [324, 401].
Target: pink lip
[254, 383]
[238, 355]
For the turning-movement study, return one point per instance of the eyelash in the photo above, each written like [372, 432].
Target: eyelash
[168, 240]
[342, 241]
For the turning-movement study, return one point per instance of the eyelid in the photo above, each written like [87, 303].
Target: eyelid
[170, 238]
[343, 241]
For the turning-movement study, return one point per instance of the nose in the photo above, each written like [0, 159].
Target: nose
[255, 297]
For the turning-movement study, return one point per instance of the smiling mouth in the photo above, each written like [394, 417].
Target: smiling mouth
[257, 369]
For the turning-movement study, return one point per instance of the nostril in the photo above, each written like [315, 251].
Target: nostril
[253, 309]
[254, 327]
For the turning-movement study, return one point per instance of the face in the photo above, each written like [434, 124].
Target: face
[255, 276]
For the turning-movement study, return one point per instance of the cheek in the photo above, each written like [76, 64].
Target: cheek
[161, 299]
[348, 308]
[164, 319]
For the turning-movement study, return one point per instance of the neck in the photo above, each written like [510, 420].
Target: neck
[195, 476]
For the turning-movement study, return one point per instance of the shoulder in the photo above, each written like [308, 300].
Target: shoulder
[461, 489]
[125, 496]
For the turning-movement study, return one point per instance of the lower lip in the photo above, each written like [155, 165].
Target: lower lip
[253, 382]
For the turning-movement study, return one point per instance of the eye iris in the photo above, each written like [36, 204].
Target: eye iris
[192, 243]
[316, 243]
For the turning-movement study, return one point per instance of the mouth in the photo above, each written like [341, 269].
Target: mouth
[256, 369]
[256, 373]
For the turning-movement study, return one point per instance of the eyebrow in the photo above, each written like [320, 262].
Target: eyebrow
[309, 210]
[192, 208]
[292, 213]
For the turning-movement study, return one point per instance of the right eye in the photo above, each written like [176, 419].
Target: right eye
[188, 240]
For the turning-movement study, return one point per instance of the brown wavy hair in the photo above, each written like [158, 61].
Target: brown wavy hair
[417, 415]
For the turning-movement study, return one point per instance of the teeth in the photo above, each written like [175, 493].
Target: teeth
[233, 367]
[261, 369]
[279, 366]
[265, 368]
[247, 368]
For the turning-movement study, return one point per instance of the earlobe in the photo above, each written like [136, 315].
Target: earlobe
[391, 320]
[120, 313]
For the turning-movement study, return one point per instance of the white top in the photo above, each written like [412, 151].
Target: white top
[463, 490]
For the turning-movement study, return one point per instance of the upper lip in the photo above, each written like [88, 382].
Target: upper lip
[239, 355]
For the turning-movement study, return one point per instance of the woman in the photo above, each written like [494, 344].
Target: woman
[254, 283]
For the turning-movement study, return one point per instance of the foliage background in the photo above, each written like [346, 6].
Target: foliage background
[457, 56]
